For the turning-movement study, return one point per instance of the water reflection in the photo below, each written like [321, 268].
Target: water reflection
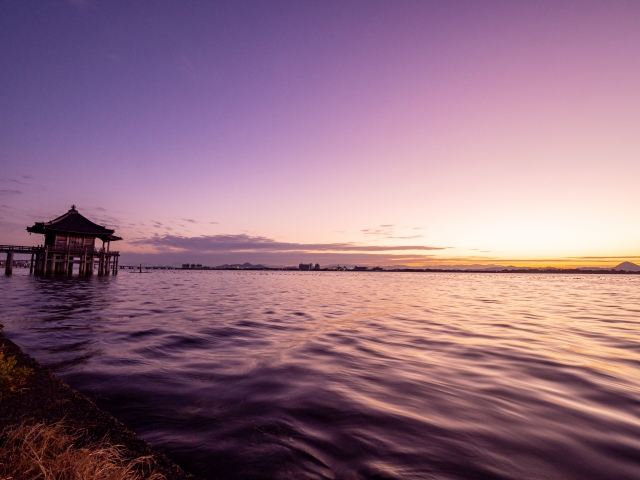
[65, 313]
[285, 375]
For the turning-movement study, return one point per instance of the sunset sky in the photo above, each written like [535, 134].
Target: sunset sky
[359, 132]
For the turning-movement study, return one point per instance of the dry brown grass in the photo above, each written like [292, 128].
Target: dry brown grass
[51, 452]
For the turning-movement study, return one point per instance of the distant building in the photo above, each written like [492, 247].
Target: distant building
[377, 269]
[17, 263]
[360, 269]
[305, 267]
[185, 265]
[316, 266]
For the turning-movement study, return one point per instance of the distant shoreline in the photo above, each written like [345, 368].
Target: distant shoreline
[559, 271]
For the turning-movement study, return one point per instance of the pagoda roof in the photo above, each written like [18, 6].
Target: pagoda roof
[73, 222]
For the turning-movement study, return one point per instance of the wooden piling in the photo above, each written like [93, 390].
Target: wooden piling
[8, 270]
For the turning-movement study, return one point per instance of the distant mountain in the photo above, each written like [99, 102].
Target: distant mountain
[628, 266]
[249, 265]
[497, 268]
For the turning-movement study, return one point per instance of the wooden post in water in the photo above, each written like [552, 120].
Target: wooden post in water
[8, 269]
[39, 267]
[69, 264]
[65, 264]
[31, 265]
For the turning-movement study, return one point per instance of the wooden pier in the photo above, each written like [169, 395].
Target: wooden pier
[61, 260]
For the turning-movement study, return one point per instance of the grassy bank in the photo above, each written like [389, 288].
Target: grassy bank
[49, 431]
[51, 452]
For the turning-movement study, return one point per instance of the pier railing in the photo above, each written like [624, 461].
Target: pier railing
[18, 249]
[80, 249]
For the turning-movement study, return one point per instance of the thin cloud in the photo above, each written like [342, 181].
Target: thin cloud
[11, 192]
[190, 220]
[13, 180]
[100, 209]
[380, 230]
[408, 237]
[247, 243]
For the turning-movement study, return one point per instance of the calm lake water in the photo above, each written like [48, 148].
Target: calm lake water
[256, 375]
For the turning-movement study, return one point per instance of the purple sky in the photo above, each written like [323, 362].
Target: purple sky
[366, 132]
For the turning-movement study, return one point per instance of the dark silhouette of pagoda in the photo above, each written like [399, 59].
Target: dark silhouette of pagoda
[71, 239]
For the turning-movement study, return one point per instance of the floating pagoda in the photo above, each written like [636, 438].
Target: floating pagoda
[70, 240]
